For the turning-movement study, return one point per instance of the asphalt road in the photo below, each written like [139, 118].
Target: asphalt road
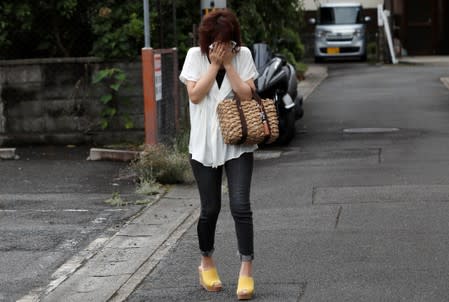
[348, 212]
[51, 207]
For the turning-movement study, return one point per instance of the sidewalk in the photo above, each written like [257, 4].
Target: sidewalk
[428, 60]
[110, 269]
[314, 75]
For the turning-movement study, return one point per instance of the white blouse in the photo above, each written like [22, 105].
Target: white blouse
[206, 143]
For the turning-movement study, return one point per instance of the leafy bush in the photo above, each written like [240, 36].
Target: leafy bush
[118, 28]
[113, 79]
[257, 21]
[181, 143]
[164, 165]
[37, 28]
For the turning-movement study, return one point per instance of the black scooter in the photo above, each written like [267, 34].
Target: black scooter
[277, 80]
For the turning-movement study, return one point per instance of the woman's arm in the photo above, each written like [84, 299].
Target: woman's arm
[240, 87]
[198, 90]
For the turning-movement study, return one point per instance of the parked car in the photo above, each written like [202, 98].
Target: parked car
[340, 31]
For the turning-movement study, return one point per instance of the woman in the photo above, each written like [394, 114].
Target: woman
[215, 71]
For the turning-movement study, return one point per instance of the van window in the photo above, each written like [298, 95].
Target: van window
[339, 15]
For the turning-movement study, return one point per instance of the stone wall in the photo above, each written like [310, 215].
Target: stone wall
[52, 101]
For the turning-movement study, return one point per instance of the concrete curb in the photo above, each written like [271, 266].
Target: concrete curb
[314, 75]
[112, 154]
[8, 153]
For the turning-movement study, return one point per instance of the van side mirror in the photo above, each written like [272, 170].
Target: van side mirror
[312, 21]
[367, 19]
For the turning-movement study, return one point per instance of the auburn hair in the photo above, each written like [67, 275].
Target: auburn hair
[220, 25]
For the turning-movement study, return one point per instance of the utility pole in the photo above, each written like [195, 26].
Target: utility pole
[150, 108]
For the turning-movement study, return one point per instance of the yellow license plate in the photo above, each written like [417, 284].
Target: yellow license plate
[333, 50]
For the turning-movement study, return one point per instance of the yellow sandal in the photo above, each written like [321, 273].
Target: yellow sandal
[209, 279]
[245, 288]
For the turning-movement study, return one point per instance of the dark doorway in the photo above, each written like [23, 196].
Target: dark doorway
[421, 20]
[443, 31]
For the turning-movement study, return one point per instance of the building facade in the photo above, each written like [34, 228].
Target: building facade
[421, 26]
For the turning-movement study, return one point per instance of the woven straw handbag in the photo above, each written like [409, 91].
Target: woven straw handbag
[248, 122]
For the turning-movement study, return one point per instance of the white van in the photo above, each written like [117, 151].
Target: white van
[340, 31]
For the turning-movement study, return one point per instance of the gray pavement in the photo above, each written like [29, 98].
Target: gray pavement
[51, 207]
[339, 216]
[342, 216]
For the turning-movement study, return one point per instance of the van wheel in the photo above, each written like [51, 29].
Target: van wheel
[363, 58]
[318, 59]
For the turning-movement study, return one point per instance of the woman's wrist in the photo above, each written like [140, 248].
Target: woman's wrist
[227, 66]
[215, 66]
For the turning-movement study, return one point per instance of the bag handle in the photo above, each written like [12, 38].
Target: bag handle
[263, 117]
[242, 120]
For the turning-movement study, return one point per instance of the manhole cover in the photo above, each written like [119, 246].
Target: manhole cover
[370, 130]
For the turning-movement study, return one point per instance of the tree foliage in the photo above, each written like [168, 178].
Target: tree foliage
[118, 28]
[277, 23]
[51, 28]
[114, 28]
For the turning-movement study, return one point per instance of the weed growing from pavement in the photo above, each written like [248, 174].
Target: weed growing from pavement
[156, 166]
[164, 165]
[148, 187]
[145, 202]
[116, 200]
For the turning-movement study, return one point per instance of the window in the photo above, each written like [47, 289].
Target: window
[340, 15]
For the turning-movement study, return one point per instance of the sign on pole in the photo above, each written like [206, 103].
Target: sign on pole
[158, 76]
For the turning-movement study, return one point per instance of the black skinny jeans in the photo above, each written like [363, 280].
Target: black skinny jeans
[238, 172]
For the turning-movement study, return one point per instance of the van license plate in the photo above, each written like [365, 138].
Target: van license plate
[333, 50]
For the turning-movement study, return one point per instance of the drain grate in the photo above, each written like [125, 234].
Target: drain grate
[370, 130]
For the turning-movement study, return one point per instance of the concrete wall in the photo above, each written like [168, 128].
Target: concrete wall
[52, 101]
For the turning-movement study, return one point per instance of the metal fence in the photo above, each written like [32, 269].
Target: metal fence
[168, 107]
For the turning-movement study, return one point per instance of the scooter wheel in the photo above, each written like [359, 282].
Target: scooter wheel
[287, 132]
